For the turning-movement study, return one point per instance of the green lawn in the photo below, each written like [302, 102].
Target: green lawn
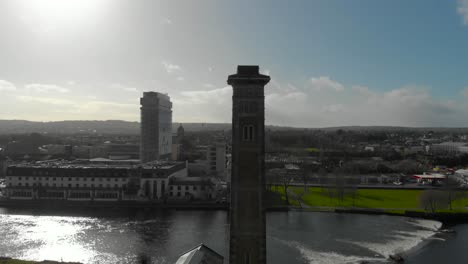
[393, 200]
[17, 261]
[14, 261]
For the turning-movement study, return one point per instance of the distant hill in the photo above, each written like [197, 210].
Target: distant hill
[126, 127]
[100, 127]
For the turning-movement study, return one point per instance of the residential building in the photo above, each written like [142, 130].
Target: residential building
[449, 148]
[198, 188]
[217, 160]
[156, 127]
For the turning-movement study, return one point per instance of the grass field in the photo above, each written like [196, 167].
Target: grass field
[14, 261]
[17, 261]
[391, 200]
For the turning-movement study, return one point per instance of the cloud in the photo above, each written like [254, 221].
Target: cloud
[333, 108]
[203, 106]
[45, 100]
[286, 103]
[462, 10]
[165, 21]
[325, 83]
[77, 108]
[215, 96]
[170, 68]
[180, 78]
[131, 89]
[46, 88]
[363, 90]
[7, 86]
[210, 69]
[208, 85]
[265, 72]
[119, 86]
[464, 92]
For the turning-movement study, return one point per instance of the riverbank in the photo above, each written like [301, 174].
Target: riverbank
[50, 204]
[6, 260]
[448, 219]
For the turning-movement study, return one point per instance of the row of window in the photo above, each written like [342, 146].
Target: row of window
[69, 185]
[21, 194]
[52, 194]
[53, 173]
[248, 133]
[179, 194]
[97, 174]
[80, 195]
[69, 179]
[107, 195]
[187, 187]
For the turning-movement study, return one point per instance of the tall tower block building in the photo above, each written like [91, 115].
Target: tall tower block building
[247, 214]
[156, 127]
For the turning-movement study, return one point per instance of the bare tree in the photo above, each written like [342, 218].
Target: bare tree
[270, 181]
[340, 183]
[322, 174]
[433, 200]
[292, 172]
[451, 189]
[353, 192]
[282, 176]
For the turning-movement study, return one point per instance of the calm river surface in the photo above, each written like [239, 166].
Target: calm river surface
[294, 237]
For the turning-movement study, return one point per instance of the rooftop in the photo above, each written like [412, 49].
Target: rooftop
[96, 164]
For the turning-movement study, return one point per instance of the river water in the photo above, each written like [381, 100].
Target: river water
[292, 237]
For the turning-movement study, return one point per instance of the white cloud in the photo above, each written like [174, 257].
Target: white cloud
[462, 10]
[170, 68]
[203, 106]
[180, 78]
[333, 108]
[325, 83]
[131, 89]
[7, 86]
[45, 100]
[464, 92]
[362, 90]
[285, 104]
[46, 88]
[166, 21]
[119, 86]
[210, 69]
[265, 71]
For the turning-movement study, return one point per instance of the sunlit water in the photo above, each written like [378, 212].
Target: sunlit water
[294, 237]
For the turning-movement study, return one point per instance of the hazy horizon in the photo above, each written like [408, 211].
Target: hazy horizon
[266, 124]
[332, 63]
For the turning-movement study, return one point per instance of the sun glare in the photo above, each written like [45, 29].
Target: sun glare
[54, 13]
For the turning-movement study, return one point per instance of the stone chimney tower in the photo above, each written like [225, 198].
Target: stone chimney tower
[248, 229]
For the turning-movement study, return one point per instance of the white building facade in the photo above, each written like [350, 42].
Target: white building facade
[91, 182]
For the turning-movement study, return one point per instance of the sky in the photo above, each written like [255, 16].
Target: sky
[332, 63]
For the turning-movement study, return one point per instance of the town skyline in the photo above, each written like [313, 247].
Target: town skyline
[94, 59]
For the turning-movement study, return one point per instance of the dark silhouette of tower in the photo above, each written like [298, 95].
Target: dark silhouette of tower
[248, 230]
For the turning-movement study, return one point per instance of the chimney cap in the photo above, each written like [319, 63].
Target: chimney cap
[248, 73]
[247, 69]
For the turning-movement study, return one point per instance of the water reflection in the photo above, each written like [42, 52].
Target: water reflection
[139, 236]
